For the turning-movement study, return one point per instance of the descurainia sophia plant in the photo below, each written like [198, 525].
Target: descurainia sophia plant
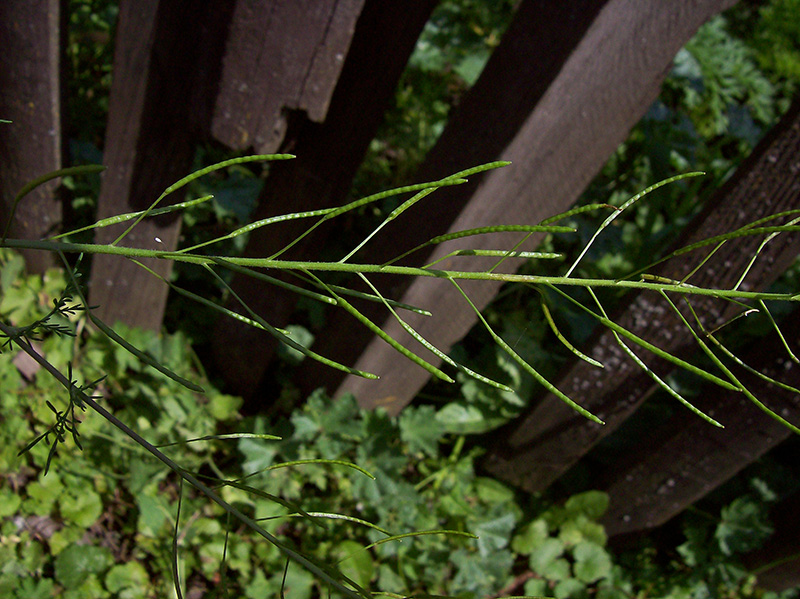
[311, 284]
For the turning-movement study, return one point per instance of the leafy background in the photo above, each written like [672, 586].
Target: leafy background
[101, 522]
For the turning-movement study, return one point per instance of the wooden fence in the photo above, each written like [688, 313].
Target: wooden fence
[314, 77]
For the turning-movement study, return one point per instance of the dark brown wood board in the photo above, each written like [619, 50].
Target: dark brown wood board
[687, 458]
[150, 142]
[281, 56]
[31, 145]
[529, 58]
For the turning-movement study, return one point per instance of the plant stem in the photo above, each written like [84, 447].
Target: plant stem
[680, 288]
[187, 476]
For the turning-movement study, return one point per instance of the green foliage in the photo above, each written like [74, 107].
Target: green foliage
[716, 72]
[99, 524]
[131, 488]
[151, 384]
[89, 53]
[565, 547]
[708, 562]
[73, 510]
[774, 39]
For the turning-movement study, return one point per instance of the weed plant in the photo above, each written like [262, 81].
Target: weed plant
[101, 522]
[113, 497]
[228, 491]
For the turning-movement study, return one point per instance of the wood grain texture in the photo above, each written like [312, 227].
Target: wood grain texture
[688, 458]
[149, 145]
[30, 64]
[605, 84]
[281, 55]
[542, 36]
[537, 448]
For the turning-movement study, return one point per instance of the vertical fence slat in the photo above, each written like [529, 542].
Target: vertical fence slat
[282, 55]
[328, 155]
[149, 145]
[536, 449]
[531, 54]
[603, 88]
[30, 34]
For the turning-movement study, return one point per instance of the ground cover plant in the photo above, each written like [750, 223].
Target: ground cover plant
[486, 566]
[111, 521]
[101, 523]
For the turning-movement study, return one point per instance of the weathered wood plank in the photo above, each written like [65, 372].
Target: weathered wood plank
[328, 155]
[606, 82]
[529, 58]
[149, 145]
[282, 55]
[30, 63]
[687, 458]
[537, 448]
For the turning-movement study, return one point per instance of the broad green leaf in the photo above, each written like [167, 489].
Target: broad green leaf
[580, 529]
[142, 473]
[461, 419]
[76, 563]
[11, 271]
[302, 336]
[152, 514]
[537, 587]
[64, 539]
[299, 585]
[420, 430]
[569, 588]
[258, 454]
[91, 587]
[81, 509]
[43, 494]
[494, 534]
[592, 562]
[545, 553]
[9, 502]
[30, 588]
[224, 407]
[558, 569]
[479, 575]
[697, 546]
[128, 581]
[530, 537]
[389, 580]
[591, 503]
[259, 587]
[744, 526]
[355, 562]
[492, 491]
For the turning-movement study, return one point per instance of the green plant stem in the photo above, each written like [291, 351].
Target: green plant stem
[398, 270]
[303, 561]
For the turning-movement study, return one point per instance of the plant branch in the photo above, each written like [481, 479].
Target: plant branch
[319, 570]
[657, 286]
